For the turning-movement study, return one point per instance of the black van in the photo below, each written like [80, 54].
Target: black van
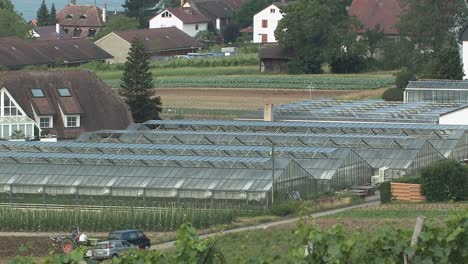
[132, 236]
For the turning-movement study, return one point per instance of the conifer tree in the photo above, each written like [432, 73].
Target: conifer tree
[137, 84]
[52, 15]
[42, 15]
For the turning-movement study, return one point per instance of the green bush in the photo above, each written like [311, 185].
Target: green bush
[403, 77]
[444, 181]
[348, 63]
[385, 192]
[284, 209]
[393, 94]
[415, 180]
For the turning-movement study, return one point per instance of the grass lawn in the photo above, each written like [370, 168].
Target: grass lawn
[273, 244]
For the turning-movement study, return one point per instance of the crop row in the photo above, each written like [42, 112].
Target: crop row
[161, 219]
[275, 82]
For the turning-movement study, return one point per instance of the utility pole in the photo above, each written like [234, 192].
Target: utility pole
[272, 173]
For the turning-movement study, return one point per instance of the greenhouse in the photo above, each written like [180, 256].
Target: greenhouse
[438, 91]
[76, 171]
[361, 111]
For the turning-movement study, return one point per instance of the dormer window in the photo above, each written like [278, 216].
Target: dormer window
[73, 121]
[37, 92]
[77, 32]
[69, 17]
[64, 92]
[84, 16]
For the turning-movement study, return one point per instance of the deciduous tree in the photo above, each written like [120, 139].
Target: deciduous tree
[118, 23]
[137, 85]
[12, 24]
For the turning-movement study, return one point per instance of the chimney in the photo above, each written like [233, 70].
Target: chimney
[104, 13]
[73, 2]
[268, 112]
[182, 3]
[57, 28]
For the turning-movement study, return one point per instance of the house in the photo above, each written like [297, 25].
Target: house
[273, 58]
[81, 21]
[17, 53]
[168, 41]
[384, 14]
[62, 103]
[265, 23]
[464, 40]
[185, 18]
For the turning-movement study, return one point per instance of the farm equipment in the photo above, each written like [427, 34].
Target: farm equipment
[64, 243]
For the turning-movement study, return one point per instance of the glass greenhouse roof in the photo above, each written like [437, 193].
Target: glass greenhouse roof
[438, 84]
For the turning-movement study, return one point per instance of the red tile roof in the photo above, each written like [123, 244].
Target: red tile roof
[161, 39]
[98, 105]
[371, 13]
[188, 15]
[80, 16]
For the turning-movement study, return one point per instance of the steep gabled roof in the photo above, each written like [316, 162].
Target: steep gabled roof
[275, 51]
[188, 15]
[160, 39]
[214, 9]
[371, 13]
[80, 16]
[99, 106]
[15, 52]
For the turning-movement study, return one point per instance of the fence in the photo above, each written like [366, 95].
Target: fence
[407, 192]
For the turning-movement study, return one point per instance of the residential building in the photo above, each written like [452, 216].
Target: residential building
[81, 21]
[265, 23]
[384, 14]
[17, 53]
[158, 42]
[62, 103]
[464, 40]
[185, 18]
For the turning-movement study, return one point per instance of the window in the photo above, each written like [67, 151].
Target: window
[69, 16]
[73, 121]
[64, 92]
[91, 32]
[45, 122]
[264, 38]
[9, 107]
[37, 92]
[264, 23]
[166, 14]
[77, 32]
[83, 16]
[196, 27]
[272, 10]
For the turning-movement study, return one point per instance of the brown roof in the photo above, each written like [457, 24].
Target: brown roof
[81, 16]
[17, 53]
[275, 51]
[188, 15]
[49, 33]
[161, 39]
[71, 50]
[98, 105]
[247, 30]
[371, 13]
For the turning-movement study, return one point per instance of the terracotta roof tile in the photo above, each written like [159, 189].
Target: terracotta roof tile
[80, 16]
[371, 13]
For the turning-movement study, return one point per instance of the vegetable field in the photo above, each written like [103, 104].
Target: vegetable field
[318, 82]
[108, 218]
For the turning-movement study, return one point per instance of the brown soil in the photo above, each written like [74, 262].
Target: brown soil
[246, 99]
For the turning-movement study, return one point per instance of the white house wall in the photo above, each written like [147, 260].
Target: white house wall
[191, 29]
[459, 117]
[465, 58]
[272, 18]
[162, 22]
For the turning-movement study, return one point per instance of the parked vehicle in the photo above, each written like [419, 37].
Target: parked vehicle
[132, 236]
[110, 249]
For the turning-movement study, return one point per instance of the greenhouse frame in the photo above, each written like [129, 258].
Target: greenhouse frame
[437, 91]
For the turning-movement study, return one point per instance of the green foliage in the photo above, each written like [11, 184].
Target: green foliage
[403, 77]
[230, 33]
[12, 23]
[244, 16]
[285, 208]
[23, 256]
[142, 10]
[42, 15]
[237, 60]
[52, 15]
[327, 32]
[409, 179]
[393, 94]
[75, 257]
[347, 62]
[137, 85]
[118, 23]
[105, 219]
[385, 192]
[446, 62]
[444, 181]
[191, 249]
[141, 256]
[374, 38]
